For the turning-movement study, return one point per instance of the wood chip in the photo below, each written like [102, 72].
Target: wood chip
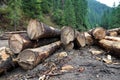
[67, 68]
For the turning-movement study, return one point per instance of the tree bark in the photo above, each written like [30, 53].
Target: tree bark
[29, 58]
[19, 42]
[88, 39]
[6, 62]
[37, 30]
[67, 35]
[110, 45]
[98, 33]
[80, 39]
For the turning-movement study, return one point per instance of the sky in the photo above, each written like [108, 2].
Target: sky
[109, 2]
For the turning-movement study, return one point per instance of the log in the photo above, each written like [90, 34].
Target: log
[37, 30]
[70, 46]
[7, 35]
[80, 39]
[112, 33]
[114, 30]
[29, 58]
[112, 38]
[112, 46]
[6, 62]
[98, 33]
[88, 39]
[67, 35]
[19, 42]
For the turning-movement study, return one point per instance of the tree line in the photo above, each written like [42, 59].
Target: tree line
[111, 18]
[74, 13]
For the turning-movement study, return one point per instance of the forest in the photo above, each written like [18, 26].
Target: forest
[79, 14]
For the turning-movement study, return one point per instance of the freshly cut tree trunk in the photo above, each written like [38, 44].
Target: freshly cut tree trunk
[80, 39]
[112, 46]
[37, 30]
[112, 38]
[98, 33]
[6, 61]
[115, 29]
[88, 38]
[29, 58]
[19, 42]
[67, 35]
[7, 35]
[112, 33]
[70, 46]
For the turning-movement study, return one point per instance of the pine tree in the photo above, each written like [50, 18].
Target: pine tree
[80, 9]
[15, 12]
[70, 19]
[32, 8]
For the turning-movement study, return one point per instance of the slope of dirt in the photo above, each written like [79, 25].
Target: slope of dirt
[86, 66]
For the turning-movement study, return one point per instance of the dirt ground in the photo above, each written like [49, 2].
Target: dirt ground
[86, 66]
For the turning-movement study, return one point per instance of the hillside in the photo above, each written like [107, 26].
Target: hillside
[95, 11]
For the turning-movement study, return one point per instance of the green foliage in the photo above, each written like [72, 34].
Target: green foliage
[46, 6]
[32, 8]
[115, 20]
[95, 12]
[70, 19]
[15, 12]
[111, 18]
[80, 9]
[79, 14]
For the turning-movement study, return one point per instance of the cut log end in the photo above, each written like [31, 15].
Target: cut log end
[18, 42]
[80, 39]
[67, 35]
[88, 38]
[15, 43]
[27, 59]
[99, 33]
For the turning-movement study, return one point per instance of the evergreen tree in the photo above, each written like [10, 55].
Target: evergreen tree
[32, 8]
[115, 20]
[15, 12]
[80, 9]
[69, 14]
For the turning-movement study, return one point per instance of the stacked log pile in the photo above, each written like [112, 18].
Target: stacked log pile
[40, 40]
